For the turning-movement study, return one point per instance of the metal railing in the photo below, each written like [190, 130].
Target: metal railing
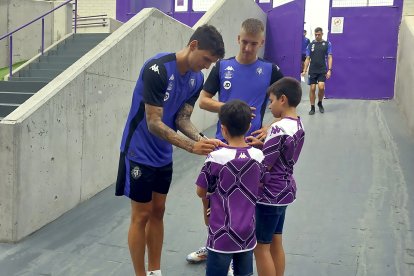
[42, 17]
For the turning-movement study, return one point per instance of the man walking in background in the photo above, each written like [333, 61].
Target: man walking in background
[318, 54]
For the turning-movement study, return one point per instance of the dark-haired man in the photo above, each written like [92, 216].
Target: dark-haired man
[167, 88]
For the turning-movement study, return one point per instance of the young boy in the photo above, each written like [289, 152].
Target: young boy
[281, 148]
[230, 178]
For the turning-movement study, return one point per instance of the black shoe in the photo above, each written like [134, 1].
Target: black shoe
[312, 112]
[321, 109]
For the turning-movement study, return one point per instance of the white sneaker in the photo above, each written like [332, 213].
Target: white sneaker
[197, 256]
[154, 273]
[231, 269]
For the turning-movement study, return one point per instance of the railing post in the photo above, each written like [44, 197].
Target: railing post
[76, 13]
[11, 56]
[43, 34]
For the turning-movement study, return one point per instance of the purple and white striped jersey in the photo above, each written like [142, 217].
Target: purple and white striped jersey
[281, 148]
[232, 176]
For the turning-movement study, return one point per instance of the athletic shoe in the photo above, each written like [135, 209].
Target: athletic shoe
[321, 109]
[154, 273]
[312, 111]
[197, 256]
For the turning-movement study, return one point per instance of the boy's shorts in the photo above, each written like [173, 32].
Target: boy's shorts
[317, 78]
[138, 181]
[269, 221]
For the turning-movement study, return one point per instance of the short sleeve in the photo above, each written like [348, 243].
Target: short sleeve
[276, 74]
[212, 84]
[154, 77]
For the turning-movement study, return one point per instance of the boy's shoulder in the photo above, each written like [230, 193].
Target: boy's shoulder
[285, 126]
[222, 155]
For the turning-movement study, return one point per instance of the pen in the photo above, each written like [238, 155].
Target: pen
[203, 136]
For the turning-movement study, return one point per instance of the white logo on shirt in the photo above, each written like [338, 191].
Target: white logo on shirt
[136, 172]
[259, 70]
[227, 85]
[229, 68]
[242, 155]
[172, 77]
[155, 68]
[167, 96]
[192, 83]
[228, 75]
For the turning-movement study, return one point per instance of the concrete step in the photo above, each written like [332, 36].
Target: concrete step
[49, 65]
[58, 59]
[32, 79]
[6, 109]
[14, 97]
[76, 52]
[42, 73]
[21, 86]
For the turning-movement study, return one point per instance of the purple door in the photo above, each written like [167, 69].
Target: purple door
[364, 54]
[284, 36]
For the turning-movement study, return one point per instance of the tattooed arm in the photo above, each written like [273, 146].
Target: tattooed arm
[161, 130]
[184, 123]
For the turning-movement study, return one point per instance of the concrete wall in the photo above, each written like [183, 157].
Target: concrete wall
[61, 147]
[404, 82]
[15, 13]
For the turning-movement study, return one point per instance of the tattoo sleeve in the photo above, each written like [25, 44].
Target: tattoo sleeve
[184, 123]
[161, 130]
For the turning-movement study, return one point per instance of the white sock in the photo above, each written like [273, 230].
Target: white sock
[154, 273]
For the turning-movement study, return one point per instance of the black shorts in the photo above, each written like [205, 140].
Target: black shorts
[316, 78]
[138, 181]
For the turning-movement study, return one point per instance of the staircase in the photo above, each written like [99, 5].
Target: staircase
[28, 81]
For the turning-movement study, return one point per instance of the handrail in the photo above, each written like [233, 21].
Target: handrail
[10, 34]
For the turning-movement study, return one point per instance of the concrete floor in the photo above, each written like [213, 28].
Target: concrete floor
[353, 214]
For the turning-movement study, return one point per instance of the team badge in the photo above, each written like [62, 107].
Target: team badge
[227, 85]
[136, 172]
[166, 96]
[228, 75]
[259, 70]
[192, 82]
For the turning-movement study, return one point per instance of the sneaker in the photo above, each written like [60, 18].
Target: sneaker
[154, 273]
[231, 269]
[198, 256]
[321, 109]
[312, 112]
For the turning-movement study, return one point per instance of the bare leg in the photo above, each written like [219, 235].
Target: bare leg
[140, 213]
[312, 94]
[321, 92]
[278, 254]
[154, 231]
[264, 261]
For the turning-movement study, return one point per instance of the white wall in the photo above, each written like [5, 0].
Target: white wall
[94, 7]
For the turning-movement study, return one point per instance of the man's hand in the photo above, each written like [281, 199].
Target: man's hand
[254, 142]
[328, 74]
[260, 133]
[204, 146]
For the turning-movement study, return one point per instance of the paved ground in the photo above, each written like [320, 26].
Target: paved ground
[353, 214]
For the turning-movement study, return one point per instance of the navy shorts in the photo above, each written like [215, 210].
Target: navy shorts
[316, 78]
[269, 222]
[138, 181]
[218, 263]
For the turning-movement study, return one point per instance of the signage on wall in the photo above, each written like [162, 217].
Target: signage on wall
[337, 25]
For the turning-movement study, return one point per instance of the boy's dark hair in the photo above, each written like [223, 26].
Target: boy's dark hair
[209, 39]
[253, 26]
[318, 29]
[236, 116]
[289, 87]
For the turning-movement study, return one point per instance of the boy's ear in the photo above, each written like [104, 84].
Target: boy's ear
[223, 129]
[193, 45]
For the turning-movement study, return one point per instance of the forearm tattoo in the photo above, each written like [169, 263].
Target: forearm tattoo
[161, 130]
[184, 123]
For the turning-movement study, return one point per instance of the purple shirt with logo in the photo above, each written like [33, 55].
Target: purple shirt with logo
[232, 176]
[282, 147]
